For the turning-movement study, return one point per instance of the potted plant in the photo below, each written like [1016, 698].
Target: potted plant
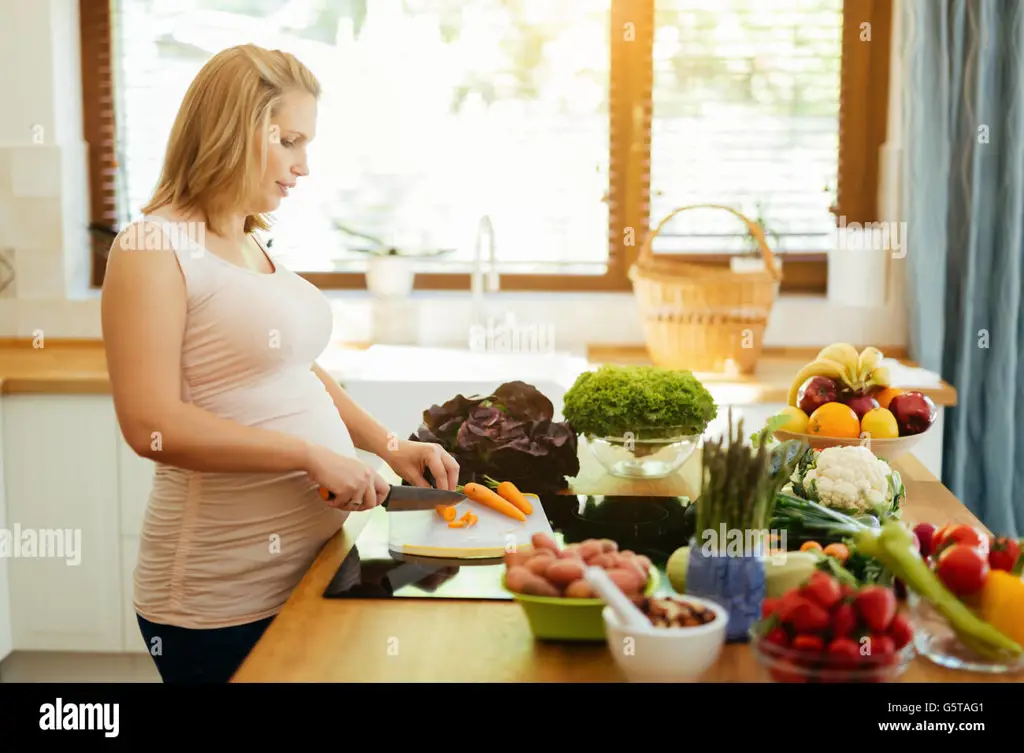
[639, 421]
[751, 260]
[390, 272]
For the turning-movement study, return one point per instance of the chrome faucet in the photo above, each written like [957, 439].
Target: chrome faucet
[485, 226]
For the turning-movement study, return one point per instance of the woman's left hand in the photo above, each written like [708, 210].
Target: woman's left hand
[411, 459]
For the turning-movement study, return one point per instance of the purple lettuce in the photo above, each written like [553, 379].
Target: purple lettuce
[509, 435]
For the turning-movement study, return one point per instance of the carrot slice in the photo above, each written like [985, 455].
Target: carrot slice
[483, 495]
[457, 524]
[507, 490]
[447, 512]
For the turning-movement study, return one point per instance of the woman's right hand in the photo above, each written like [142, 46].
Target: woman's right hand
[355, 485]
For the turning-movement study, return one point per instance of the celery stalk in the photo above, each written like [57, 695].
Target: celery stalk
[894, 547]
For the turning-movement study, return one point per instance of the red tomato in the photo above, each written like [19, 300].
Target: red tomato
[963, 569]
[963, 534]
[1003, 554]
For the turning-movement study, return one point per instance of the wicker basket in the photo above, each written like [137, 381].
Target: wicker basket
[700, 318]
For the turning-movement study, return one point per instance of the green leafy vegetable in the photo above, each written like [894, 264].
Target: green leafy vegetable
[645, 402]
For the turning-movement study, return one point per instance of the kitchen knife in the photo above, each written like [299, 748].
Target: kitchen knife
[410, 498]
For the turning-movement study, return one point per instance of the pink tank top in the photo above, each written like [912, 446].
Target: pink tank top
[222, 549]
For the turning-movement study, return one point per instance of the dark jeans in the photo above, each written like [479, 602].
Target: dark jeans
[185, 655]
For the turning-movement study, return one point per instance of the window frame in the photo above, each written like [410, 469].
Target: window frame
[864, 79]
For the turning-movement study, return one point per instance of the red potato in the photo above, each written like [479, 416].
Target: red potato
[608, 546]
[627, 553]
[543, 541]
[538, 586]
[580, 589]
[605, 561]
[563, 572]
[516, 559]
[570, 552]
[628, 581]
[539, 564]
[589, 549]
[644, 562]
[516, 578]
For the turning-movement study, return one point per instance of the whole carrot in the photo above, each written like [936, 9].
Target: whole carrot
[507, 490]
[483, 495]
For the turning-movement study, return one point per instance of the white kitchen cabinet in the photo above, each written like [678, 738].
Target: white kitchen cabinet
[61, 480]
[134, 482]
[6, 640]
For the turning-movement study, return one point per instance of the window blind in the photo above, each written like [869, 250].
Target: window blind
[745, 112]
[434, 114]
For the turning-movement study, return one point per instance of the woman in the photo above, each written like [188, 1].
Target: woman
[211, 348]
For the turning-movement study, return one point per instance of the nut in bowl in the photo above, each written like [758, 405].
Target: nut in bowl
[548, 583]
[684, 638]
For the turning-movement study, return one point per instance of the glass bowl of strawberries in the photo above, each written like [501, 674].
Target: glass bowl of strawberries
[828, 631]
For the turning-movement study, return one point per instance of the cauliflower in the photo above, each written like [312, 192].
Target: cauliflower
[850, 479]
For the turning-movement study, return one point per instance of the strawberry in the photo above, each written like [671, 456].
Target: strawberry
[846, 590]
[876, 606]
[808, 617]
[844, 620]
[900, 631]
[808, 643]
[789, 601]
[823, 589]
[843, 653]
[778, 637]
[768, 607]
[878, 649]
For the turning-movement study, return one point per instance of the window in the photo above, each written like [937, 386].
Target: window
[565, 124]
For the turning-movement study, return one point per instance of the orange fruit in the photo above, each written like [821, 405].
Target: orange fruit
[880, 423]
[885, 396]
[834, 420]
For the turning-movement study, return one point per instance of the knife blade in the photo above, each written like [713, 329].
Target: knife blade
[410, 498]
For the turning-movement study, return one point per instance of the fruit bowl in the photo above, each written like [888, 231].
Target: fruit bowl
[887, 449]
[569, 619]
[780, 664]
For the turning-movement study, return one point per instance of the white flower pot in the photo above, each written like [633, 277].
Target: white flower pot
[390, 276]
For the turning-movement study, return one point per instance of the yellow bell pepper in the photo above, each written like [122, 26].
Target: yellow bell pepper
[1002, 603]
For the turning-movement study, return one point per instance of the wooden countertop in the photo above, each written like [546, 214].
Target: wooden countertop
[406, 640]
[80, 367]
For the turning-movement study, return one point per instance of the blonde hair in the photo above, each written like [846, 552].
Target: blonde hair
[219, 134]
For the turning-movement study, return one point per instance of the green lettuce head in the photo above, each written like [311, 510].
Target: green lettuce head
[646, 401]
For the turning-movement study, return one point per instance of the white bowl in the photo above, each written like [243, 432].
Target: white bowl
[654, 654]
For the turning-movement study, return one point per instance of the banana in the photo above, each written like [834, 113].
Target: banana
[819, 367]
[879, 377]
[845, 355]
[870, 358]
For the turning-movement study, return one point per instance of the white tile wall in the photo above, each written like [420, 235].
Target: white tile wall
[40, 274]
[35, 171]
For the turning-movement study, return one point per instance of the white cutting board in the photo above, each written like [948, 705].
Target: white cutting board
[425, 533]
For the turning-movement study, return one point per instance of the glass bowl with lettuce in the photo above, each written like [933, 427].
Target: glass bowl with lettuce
[639, 421]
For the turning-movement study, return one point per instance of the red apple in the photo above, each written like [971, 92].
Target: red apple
[914, 412]
[818, 391]
[861, 404]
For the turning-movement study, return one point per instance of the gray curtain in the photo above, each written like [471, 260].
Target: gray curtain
[963, 177]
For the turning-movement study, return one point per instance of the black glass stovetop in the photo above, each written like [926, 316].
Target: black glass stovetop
[652, 526]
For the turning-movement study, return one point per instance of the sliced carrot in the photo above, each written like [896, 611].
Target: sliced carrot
[507, 490]
[483, 495]
[447, 512]
[457, 524]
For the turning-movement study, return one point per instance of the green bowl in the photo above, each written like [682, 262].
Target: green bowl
[562, 619]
